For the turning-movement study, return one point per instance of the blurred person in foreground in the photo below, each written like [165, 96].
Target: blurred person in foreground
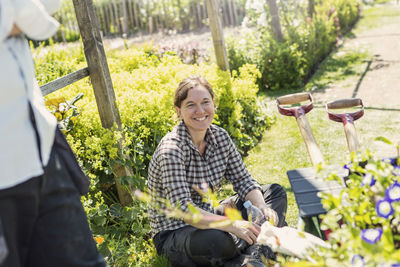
[42, 221]
[198, 154]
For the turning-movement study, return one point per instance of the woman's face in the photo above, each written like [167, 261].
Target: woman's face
[197, 110]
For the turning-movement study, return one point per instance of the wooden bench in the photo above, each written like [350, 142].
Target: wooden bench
[306, 185]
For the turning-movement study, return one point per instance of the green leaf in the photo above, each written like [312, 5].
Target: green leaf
[116, 210]
[233, 214]
[384, 139]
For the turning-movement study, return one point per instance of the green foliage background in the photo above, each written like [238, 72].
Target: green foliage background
[307, 41]
[144, 85]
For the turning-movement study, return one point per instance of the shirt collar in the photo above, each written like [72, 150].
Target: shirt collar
[183, 134]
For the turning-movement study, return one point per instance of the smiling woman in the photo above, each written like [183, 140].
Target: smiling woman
[194, 104]
[198, 155]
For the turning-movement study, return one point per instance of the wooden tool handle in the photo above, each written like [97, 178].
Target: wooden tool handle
[293, 98]
[344, 103]
[351, 136]
[309, 140]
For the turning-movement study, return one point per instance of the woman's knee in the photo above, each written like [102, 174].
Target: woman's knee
[274, 191]
[213, 243]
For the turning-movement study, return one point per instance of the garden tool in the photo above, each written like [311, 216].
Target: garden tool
[299, 112]
[304, 181]
[347, 118]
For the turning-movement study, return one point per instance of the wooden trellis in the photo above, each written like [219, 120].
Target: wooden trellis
[100, 78]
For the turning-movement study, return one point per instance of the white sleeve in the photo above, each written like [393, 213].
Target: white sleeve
[7, 18]
[34, 20]
[51, 6]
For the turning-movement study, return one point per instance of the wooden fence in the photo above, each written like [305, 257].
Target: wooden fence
[119, 17]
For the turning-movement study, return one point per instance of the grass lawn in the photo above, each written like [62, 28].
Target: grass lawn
[282, 147]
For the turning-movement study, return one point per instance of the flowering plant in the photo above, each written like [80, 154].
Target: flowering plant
[364, 219]
[60, 108]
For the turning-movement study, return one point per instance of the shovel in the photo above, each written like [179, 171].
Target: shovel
[347, 118]
[300, 114]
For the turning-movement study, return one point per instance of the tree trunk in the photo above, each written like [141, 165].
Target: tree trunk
[276, 24]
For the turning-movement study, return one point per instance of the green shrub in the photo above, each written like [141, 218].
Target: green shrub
[144, 85]
[288, 64]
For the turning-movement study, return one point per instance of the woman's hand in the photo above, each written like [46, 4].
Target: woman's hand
[245, 230]
[270, 215]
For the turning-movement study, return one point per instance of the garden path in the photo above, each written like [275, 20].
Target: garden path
[378, 86]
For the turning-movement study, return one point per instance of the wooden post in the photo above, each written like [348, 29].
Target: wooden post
[234, 14]
[101, 81]
[199, 14]
[136, 16]
[116, 16]
[124, 19]
[311, 8]
[217, 35]
[276, 23]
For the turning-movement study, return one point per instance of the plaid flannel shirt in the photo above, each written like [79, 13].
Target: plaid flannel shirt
[177, 166]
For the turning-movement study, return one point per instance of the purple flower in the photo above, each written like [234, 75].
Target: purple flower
[368, 179]
[357, 260]
[348, 166]
[371, 236]
[396, 171]
[384, 208]
[393, 192]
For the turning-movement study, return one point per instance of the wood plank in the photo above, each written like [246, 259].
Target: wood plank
[102, 84]
[64, 81]
[306, 185]
[217, 35]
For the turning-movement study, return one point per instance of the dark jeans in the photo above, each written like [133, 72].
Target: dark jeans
[44, 223]
[192, 247]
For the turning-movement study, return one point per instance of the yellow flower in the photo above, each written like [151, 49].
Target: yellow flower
[99, 239]
[58, 116]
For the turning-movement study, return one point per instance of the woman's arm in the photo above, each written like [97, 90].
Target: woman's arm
[257, 199]
[243, 229]
[32, 17]
[7, 19]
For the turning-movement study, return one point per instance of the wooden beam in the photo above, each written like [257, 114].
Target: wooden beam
[66, 80]
[217, 35]
[101, 81]
[311, 8]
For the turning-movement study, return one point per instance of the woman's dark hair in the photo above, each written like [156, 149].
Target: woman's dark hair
[190, 83]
